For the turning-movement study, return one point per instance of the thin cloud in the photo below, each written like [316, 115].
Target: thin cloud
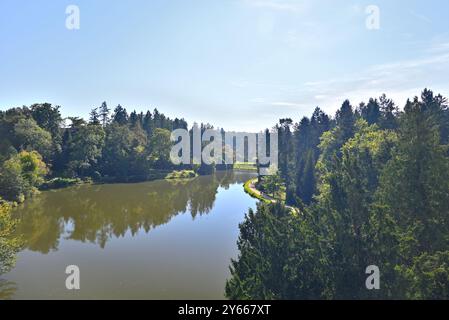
[400, 80]
[285, 104]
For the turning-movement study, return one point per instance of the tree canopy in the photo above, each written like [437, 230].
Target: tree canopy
[373, 189]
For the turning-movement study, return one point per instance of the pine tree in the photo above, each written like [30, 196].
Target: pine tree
[389, 113]
[345, 120]
[120, 115]
[414, 197]
[104, 114]
[306, 189]
[94, 117]
[133, 119]
[148, 123]
[371, 112]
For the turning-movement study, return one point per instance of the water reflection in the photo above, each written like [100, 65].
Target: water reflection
[98, 213]
[7, 289]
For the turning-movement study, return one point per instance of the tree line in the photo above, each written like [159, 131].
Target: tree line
[37, 144]
[372, 188]
[39, 148]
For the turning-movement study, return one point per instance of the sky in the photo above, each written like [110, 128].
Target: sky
[236, 64]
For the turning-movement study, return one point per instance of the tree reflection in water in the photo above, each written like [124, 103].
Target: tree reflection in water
[96, 213]
[7, 289]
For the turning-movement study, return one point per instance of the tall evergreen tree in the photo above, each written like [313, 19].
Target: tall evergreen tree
[94, 117]
[345, 119]
[148, 123]
[104, 114]
[414, 196]
[389, 113]
[371, 112]
[120, 115]
[133, 119]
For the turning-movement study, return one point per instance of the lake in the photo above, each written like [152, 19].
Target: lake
[152, 240]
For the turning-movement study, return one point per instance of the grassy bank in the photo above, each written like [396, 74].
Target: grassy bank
[254, 193]
[59, 183]
[245, 166]
[181, 175]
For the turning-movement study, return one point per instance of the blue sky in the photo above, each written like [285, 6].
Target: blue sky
[233, 63]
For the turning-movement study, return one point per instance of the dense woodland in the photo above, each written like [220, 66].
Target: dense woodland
[38, 144]
[39, 149]
[372, 186]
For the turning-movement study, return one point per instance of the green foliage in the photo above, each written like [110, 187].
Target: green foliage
[48, 118]
[12, 184]
[21, 175]
[427, 276]
[9, 245]
[371, 112]
[301, 180]
[103, 114]
[249, 189]
[33, 167]
[124, 151]
[32, 137]
[381, 198]
[272, 182]
[183, 174]
[117, 147]
[160, 145]
[59, 183]
[120, 115]
[414, 196]
[245, 166]
[252, 277]
[306, 179]
[270, 266]
[372, 185]
[85, 148]
[346, 191]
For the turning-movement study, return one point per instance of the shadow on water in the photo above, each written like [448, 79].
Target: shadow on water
[97, 213]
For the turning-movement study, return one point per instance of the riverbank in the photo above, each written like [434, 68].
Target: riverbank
[250, 188]
[181, 175]
[60, 182]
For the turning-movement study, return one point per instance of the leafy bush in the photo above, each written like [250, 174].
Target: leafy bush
[8, 246]
[21, 175]
[183, 174]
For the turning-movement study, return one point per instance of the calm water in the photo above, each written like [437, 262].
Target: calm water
[154, 240]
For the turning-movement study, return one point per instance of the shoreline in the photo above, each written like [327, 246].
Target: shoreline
[252, 191]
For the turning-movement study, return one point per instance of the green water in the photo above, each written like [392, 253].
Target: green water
[153, 240]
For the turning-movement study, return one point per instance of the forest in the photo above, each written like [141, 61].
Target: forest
[370, 186]
[41, 150]
[38, 147]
